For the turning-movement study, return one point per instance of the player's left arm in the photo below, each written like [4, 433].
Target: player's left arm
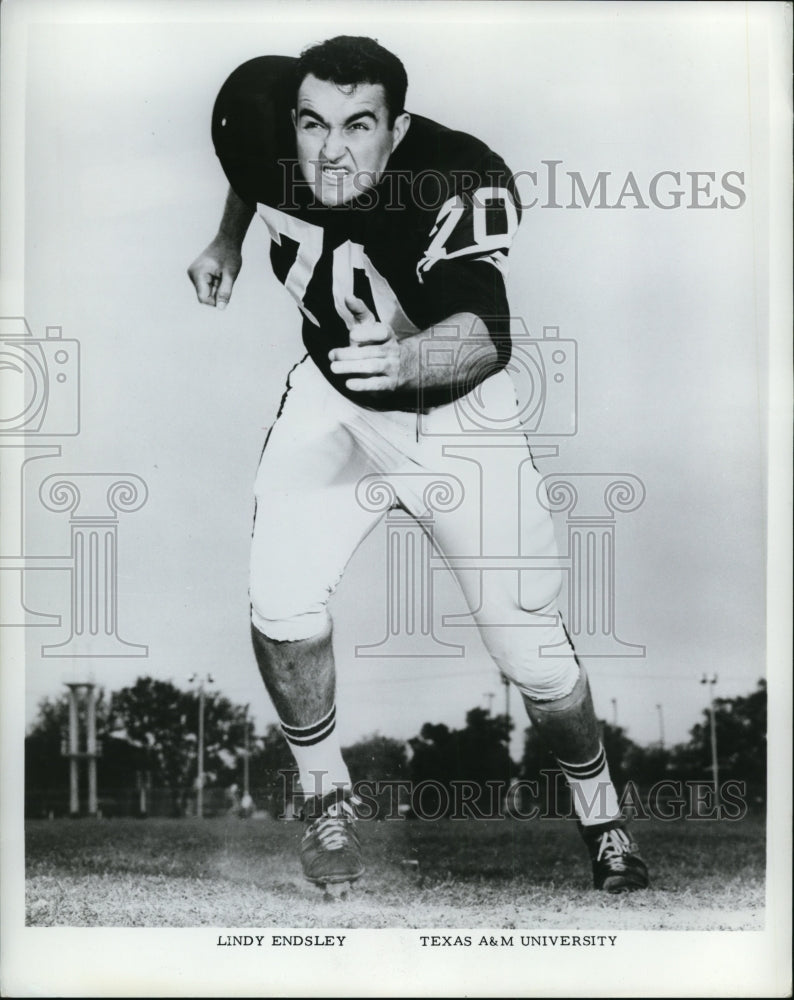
[462, 276]
[378, 361]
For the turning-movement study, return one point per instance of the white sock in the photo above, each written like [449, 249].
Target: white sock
[318, 755]
[594, 797]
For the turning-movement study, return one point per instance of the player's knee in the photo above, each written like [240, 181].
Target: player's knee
[284, 615]
[532, 649]
[290, 628]
[286, 605]
[548, 679]
[550, 684]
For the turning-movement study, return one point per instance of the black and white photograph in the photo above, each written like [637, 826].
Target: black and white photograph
[395, 537]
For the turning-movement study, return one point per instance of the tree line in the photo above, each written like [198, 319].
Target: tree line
[148, 763]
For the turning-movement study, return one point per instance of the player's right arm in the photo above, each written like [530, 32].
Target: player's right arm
[215, 270]
[251, 131]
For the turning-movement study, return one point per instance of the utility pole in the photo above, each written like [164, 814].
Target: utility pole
[661, 724]
[711, 681]
[615, 712]
[200, 681]
[490, 696]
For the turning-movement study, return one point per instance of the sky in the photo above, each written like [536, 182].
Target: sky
[668, 308]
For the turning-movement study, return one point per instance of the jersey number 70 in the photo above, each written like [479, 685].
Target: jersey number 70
[347, 258]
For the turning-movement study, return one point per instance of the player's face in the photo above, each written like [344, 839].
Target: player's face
[344, 137]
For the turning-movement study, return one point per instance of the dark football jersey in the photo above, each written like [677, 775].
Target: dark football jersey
[428, 241]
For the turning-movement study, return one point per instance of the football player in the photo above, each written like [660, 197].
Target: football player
[387, 229]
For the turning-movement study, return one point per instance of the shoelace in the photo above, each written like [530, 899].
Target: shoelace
[331, 828]
[613, 845]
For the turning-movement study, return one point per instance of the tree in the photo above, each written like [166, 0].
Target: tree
[224, 738]
[163, 720]
[373, 762]
[619, 749]
[376, 758]
[645, 766]
[741, 725]
[478, 753]
[273, 774]
[536, 756]
[160, 719]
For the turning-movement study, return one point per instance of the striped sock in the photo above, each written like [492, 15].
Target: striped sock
[594, 797]
[318, 755]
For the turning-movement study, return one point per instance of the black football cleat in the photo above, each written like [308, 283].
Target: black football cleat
[330, 850]
[617, 865]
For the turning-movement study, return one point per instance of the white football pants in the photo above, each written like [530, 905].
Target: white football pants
[313, 510]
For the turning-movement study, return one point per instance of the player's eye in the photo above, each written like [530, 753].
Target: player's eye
[359, 126]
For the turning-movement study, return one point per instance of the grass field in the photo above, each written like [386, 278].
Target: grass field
[231, 873]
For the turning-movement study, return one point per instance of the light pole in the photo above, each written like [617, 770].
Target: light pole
[490, 696]
[615, 712]
[661, 724]
[711, 681]
[506, 683]
[200, 681]
[245, 759]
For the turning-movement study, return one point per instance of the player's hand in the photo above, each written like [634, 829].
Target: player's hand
[214, 273]
[373, 358]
